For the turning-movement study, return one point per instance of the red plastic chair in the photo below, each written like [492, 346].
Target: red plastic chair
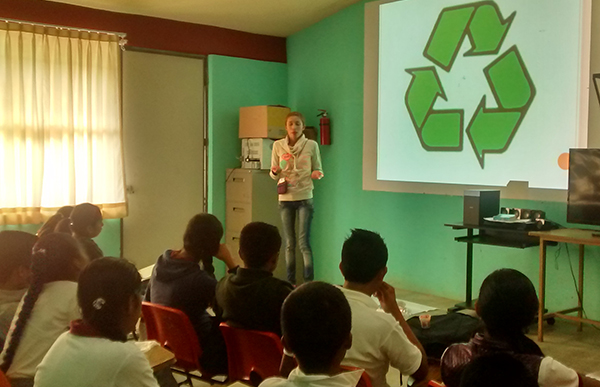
[252, 355]
[3, 380]
[174, 331]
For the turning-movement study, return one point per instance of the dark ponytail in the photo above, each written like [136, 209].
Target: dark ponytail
[54, 222]
[106, 287]
[55, 258]
[202, 239]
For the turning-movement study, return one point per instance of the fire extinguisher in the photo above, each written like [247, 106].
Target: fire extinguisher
[324, 128]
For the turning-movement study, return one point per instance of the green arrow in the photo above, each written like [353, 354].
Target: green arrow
[492, 130]
[447, 35]
[482, 22]
[509, 80]
[443, 131]
[488, 29]
[437, 129]
[424, 88]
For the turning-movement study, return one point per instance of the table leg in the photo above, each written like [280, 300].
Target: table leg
[469, 281]
[580, 298]
[542, 290]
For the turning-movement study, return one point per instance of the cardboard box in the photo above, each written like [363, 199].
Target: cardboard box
[258, 149]
[263, 121]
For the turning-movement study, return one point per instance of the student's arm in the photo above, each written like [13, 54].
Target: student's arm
[387, 298]
[288, 363]
[225, 255]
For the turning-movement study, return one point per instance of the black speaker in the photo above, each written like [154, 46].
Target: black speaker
[479, 204]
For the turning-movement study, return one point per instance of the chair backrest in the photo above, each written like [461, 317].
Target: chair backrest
[3, 380]
[173, 330]
[251, 352]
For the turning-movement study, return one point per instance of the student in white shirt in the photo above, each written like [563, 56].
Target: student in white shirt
[316, 322]
[47, 308]
[95, 352]
[379, 339]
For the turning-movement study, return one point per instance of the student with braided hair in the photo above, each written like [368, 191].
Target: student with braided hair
[95, 352]
[55, 222]
[46, 310]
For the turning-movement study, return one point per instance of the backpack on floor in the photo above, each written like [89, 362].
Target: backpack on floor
[445, 330]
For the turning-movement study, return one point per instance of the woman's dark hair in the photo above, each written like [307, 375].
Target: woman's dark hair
[55, 258]
[202, 239]
[55, 220]
[316, 321]
[104, 293]
[15, 251]
[83, 216]
[507, 305]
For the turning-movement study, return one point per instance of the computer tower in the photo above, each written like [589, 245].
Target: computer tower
[479, 204]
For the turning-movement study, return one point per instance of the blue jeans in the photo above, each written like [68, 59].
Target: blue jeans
[305, 210]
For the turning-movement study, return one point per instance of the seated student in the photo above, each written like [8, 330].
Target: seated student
[46, 310]
[85, 223]
[178, 281]
[379, 339]
[507, 304]
[51, 225]
[316, 322]
[95, 352]
[15, 259]
[497, 370]
[250, 297]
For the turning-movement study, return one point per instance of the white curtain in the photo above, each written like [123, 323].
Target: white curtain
[60, 122]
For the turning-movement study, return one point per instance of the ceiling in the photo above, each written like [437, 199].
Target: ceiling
[268, 17]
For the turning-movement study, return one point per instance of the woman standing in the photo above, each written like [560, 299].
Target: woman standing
[295, 161]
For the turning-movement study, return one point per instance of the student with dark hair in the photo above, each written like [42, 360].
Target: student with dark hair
[52, 224]
[316, 322]
[497, 370]
[47, 309]
[15, 260]
[379, 339]
[86, 223]
[250, 297]
[507, 304]
[95, 352]
[179, 282]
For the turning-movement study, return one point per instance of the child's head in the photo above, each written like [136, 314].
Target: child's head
[109, 295]
[86, 220]
[56, 257]
[364, 257]
[52, 224]
[316, 322]
[15, 259]
[507, 302]
[202, 236]
[497, 370]
[294, 124]
[259, 246]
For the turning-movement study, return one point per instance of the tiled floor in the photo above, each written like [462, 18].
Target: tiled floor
[578, 350]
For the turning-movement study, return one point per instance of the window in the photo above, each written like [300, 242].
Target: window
[60, 122]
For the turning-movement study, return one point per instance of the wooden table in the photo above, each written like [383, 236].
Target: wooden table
[566, 235]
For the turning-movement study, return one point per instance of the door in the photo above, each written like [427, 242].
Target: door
[163, 140]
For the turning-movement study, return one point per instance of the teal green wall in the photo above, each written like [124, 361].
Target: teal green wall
[325, 69]
[109, 239]
[233, 83]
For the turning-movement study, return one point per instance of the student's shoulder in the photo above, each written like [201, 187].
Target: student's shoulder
[275, 381]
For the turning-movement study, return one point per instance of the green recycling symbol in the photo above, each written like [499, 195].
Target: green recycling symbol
[491, 129]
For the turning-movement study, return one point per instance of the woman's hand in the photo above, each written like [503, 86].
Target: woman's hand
[276, 170]
[316, 175]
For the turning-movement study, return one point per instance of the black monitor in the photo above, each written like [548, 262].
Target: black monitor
[583, 205]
